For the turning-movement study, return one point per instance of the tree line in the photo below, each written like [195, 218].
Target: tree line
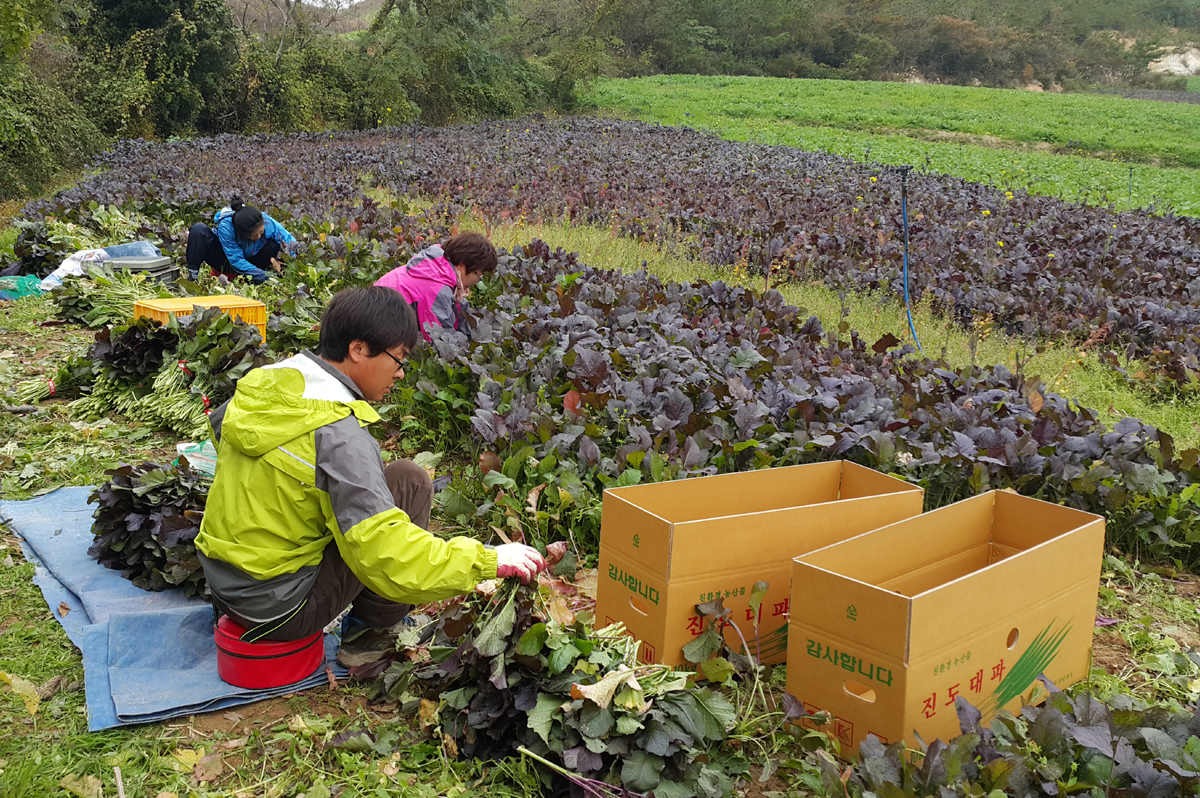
[74, 74]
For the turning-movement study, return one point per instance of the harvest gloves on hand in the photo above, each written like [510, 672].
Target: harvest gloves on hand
[517, 559]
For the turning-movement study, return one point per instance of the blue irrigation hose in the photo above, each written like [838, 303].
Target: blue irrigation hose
[904, 212]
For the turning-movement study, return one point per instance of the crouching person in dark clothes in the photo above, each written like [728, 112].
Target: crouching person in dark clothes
[244, 242]
[303, 520]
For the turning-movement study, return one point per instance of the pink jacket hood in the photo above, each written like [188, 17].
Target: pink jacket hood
[420, 280]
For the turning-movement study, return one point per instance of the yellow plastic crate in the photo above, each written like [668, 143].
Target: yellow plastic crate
[250, 311]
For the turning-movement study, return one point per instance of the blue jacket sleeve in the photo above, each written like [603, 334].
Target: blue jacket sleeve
[273, 229]
[233, 251]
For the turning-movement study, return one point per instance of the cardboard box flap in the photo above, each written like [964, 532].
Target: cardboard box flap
[946, 569]
[860, 481]
[891, 553]
[629, 531]
[737, 542]
[1022, 522]
[868, 616]
[745, 492]
[690, 527]
[1069, 563]
[918, 554]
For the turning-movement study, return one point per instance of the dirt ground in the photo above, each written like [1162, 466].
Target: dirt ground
[44, 346]
[318, 701]
[1112, 653]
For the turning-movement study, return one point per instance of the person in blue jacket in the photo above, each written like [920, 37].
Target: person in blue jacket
[244, 243]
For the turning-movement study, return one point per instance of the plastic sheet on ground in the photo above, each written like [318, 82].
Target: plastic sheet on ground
[146, 656]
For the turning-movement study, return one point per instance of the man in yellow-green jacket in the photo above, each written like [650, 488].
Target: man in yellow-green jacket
[302, 519]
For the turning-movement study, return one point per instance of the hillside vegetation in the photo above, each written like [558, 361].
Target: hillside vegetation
[76, 74]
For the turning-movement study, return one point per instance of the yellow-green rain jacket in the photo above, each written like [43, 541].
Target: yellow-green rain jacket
[297, 470]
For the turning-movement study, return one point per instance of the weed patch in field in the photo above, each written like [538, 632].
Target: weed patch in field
[1147, 638]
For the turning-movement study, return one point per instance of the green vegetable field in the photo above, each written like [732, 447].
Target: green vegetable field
[1164, 133]
[1096, 149]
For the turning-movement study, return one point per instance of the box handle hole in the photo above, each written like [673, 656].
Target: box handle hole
[860, 691]
[1013, 637]
[638, 606]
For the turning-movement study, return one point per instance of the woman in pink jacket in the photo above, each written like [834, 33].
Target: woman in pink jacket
[437, 280]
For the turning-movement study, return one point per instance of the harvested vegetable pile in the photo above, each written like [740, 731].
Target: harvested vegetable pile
[146, 520]
[171, 376]
[72, 375]
[105, 297]
[513, 680]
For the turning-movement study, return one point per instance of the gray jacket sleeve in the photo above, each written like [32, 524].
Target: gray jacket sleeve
[444, 308]
[350, 470]
[391, 555]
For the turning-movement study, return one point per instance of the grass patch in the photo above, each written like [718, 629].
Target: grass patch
[8, 239]
[11, 207]
[1064, 369]
[1193, 84]
[855, 125]
[1153, 624]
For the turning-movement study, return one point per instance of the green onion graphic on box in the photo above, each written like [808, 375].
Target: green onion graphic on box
[774, 643]
[1032, 662]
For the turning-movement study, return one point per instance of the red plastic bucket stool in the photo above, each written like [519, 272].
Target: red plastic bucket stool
[268, 663]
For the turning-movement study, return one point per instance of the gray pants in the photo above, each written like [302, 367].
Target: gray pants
[337, 587]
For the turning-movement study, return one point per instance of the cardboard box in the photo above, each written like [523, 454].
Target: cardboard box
[668, 546]
[973, 600]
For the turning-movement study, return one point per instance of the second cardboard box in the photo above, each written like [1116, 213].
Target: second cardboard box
[974, 600]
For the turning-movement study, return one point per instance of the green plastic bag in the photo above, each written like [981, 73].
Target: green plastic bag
[17, 287]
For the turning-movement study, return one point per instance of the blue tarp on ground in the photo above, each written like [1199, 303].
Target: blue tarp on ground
[146, 656]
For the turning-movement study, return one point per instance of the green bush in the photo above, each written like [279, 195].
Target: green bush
[308, 89]
[42, 132]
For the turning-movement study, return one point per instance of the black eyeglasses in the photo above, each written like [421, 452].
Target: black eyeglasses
[399, 362]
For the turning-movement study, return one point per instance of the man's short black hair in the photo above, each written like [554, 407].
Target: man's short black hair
[377, 316]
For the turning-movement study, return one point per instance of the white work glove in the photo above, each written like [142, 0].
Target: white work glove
[519, 560]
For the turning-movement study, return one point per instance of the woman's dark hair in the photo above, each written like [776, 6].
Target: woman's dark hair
[245, 217]
[377, 316]
[473, 251]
